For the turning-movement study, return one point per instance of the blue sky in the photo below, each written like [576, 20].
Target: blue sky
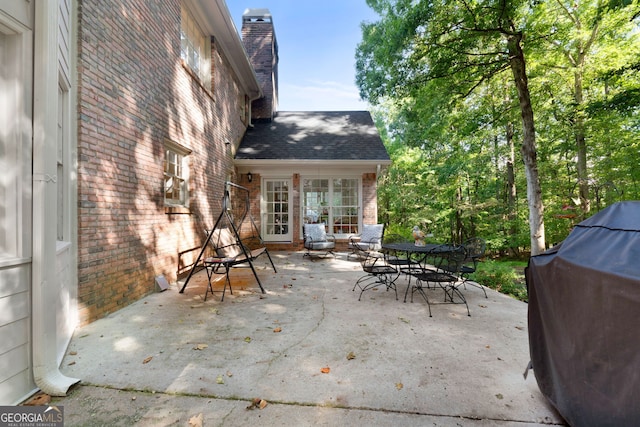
[317, 42]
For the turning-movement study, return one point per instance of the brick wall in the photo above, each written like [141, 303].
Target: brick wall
[259, 41]
[133, 95]
[369, 199]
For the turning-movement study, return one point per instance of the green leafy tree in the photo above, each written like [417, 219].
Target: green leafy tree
[578, 43]
[457, 46]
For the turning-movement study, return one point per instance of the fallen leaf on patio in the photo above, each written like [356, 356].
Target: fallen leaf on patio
[351, 355]
[258, 403]
[219, 380]
[278, 329]
[197, 420]
[520, 328]
[403, 319]
[325, 370]
[72, 363]
[73, 353]
[147, 360]
[200, 346]
[482, 306]
[399, 386]
[38, 400]
[247, 339]
[500, 396]
[229, 374]
[487, 346]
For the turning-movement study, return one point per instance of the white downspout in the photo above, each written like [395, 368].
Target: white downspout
[44, 278]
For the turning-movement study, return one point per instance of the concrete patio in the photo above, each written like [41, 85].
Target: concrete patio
[308, 349]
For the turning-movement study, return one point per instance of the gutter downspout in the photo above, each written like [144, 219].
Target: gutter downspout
[46, 371]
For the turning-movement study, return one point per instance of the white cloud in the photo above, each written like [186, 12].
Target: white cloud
[317, 95]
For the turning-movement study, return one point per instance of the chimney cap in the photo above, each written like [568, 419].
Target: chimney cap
[257, 15]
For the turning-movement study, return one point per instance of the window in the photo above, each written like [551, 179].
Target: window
[333, 201]
[195, 48]
[15, 140]
[176, 175]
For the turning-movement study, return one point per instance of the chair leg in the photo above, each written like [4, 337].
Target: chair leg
[477, 285]
[450, 291]
[420, 289]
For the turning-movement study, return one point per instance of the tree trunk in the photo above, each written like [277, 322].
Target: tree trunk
[581, 146]
[528, 149]
[511, 187]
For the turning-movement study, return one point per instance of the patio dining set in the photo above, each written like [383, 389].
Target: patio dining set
[427, 267]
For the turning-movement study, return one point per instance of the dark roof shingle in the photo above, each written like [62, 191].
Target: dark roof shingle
[333, 135]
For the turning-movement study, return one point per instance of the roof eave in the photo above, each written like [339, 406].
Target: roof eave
[298, 162]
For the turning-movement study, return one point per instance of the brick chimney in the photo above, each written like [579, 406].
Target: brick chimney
[259, 39]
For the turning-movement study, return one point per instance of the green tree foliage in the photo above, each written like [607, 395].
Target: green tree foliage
[451, 112]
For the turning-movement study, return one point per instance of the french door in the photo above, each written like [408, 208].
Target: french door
[276, 217]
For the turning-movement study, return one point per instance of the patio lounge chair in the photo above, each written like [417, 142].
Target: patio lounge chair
[369, 240]
[316, 239]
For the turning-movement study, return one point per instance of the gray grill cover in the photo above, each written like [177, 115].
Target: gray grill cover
[584, 320]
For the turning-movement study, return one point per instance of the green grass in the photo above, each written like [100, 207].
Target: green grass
[506, 277]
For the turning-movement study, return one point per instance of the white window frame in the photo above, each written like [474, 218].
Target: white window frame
[16, 141]
[178, 174]
[327, 213]
[195, 47]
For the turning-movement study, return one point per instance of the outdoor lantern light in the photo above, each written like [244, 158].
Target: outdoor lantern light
[250, 177]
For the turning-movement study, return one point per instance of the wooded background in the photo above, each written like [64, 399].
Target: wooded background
[507, 120]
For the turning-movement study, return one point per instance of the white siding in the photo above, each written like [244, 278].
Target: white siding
[16, 380]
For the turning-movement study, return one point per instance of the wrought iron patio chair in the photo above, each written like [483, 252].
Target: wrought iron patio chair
[475, 250]
[378, 273]
[369, 240]
[445, 275]
[402, 260]
[316, 239]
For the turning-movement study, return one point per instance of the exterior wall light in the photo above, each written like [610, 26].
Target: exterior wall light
[249, 176]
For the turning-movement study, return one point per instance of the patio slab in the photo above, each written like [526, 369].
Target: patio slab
[308, 348]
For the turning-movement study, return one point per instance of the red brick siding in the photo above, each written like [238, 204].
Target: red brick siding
[133, 95]
[259, 42]
[369, 199]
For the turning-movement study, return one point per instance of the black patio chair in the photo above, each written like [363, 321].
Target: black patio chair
[475, 250]
[378, 273]
[402, 260]
[316, 239]
[445, 275]
[369, 240]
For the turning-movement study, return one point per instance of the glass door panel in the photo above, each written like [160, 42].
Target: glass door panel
[334, 202]
[276, 222]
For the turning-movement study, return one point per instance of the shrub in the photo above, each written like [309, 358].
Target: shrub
[504, 277]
